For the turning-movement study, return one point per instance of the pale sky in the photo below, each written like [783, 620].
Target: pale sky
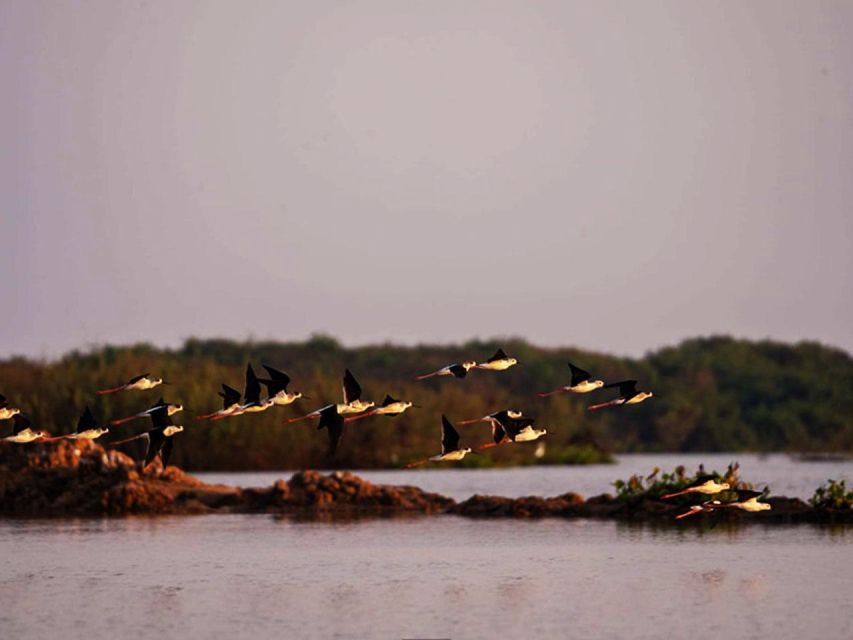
[610, 175]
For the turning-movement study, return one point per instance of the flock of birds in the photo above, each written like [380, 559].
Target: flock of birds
[508, 426]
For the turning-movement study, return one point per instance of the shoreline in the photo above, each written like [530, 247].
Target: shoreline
[68, 479]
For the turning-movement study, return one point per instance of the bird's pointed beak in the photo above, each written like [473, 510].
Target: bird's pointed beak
[417, 406]
[304, 397]
[166, 382]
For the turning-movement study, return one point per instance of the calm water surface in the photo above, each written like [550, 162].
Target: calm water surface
[261, 577]
[257, 576]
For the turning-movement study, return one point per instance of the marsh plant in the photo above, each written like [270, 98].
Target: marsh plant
[659, 483]
[832, 495]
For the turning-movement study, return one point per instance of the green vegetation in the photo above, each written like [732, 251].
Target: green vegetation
[711, 394]
[657, 484]
[832, 495]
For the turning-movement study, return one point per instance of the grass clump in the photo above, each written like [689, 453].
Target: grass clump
[832, 495]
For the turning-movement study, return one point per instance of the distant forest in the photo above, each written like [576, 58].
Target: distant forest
[711, 394]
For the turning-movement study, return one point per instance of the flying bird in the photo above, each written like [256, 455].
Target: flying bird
[705, 484]
[450, 450]
[458, 370]
[87, 428]
[160, 438]
[139, 383]
[171, 409]
[390, 407]
[22, 431]
[496, 416]
[230, 403]
[498, 362]
[6, 411]
[252, 395]
[582, 382]
[333, 422]
[276, 386]
[628, 394]
[507, 430]
[746, 501]
[352, 400]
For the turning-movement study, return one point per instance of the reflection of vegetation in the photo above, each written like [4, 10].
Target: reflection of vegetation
[832, 495]
[657, 484]
[712, 394]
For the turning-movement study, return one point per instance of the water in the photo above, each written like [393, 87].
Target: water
[259, 576]
[784, 476]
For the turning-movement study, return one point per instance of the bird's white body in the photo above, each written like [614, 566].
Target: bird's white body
[640, 397]
[498, 365]
[585, 387]
[172, 430]
[144, 384]
[393, 409]
[172, 409]
[529, 434]
[709, 488]
[451, 456]
[8, 412]
[356, 406]
[283, 398]
[88, 434]
[265, 404]
[446, 371]
[26, 435]
[752, 505]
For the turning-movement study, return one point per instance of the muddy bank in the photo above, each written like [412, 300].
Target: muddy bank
[83, 479]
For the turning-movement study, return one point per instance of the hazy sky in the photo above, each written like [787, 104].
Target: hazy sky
[612, 175]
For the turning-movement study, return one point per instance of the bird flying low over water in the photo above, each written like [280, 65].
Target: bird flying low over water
[22, 431]
[139, 383]
[450, 450]
[352, 400]
[458, 370]
[507, 429]
[160, 438]
[628, 394]
[705, 484]
[87, 428]
[746, 501]
[230, 403]
[6, 411]
[252, 395]
[276, 386]
[161, 405]
[390, 407]
[498, 362]
[582, 382]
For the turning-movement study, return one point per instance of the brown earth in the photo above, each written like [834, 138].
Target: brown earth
[67, 478]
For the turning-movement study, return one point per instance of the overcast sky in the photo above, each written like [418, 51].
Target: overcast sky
[611, 175]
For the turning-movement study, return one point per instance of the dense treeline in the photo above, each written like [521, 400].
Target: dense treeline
[712, 394]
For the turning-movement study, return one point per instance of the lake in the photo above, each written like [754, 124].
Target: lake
[259, 576]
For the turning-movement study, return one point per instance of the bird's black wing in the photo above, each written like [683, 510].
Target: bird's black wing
[20, 423]
[626, 387]
[499, 355]
[579, 375]
[138, 378]
[156, 439]
[333, 422]
[87, 421]
[279, 376]
[513, 426]
[352, 390]
[160, 417]
[230, 396]
[166, 450]
[273, 386]
[702, 479]
[458, 370]
[449, 436]
[252, 393]
[388, 401]
[498, 432]
[3, 401]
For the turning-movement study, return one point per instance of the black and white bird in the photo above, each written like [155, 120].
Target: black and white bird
[507, 429]
[457, 370]
[252, 401]
[171, 409]
[497, 416]
[628, 394]
[276, 386]
[352, 400]
[230, 403]
[87, 428]
[7, 412]
[450, 449]
[22, 431]
[498, 362]
[390, 408]
[582, 382]
[746, 501]
[707, 484]
[160, 438]
[139, 383]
